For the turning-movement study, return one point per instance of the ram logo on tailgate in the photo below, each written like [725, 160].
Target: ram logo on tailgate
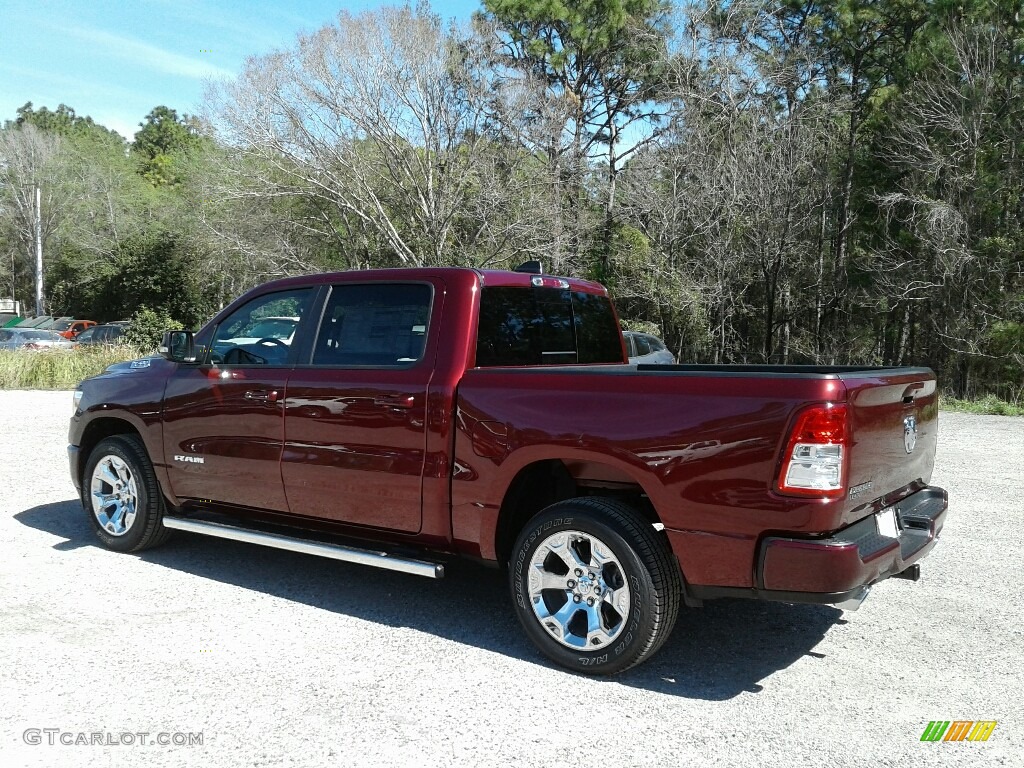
[910, 433]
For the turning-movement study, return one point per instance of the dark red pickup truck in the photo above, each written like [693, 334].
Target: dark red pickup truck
[400, 417]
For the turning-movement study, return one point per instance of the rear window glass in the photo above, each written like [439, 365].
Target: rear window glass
[376, 324]
[545, 326]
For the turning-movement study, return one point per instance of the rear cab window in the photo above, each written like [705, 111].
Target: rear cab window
[528, 325]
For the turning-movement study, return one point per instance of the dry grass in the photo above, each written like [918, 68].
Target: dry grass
[59, 369]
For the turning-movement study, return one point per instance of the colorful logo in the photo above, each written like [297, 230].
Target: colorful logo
[959, 730]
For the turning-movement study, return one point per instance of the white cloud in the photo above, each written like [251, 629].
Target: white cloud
[147, 55]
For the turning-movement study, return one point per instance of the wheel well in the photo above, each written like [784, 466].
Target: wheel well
[98, 430]
[543, 483]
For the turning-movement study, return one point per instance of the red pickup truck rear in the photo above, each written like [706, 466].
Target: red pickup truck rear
[428, 413]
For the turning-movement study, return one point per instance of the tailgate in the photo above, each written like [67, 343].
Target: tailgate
[894, 420]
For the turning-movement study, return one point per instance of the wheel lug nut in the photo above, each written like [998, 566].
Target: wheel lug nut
[579, 572]
[597, 590]
[591, 575]
[590, 601]
[570, 584]
[576, 598]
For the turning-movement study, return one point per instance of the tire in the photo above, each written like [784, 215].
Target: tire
[595, 587]
[121, 495]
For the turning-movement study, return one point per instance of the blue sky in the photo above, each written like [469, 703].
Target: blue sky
[115, 61]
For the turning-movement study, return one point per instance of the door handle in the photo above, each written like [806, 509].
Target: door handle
[395, 401]
[261, 396]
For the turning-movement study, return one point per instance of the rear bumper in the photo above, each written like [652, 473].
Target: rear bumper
[840, 569]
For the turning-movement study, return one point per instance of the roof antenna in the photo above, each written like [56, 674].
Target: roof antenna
[532, 267]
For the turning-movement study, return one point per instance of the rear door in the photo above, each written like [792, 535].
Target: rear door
[356, 414]
[224, 419]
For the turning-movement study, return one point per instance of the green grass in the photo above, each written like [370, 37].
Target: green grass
[990, 404]
[59, 369]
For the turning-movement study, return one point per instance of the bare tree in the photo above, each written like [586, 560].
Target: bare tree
[376, 117]
[942, 282]
[28, 162]
[731, 198]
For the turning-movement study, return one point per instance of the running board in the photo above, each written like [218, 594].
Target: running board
[332, 551]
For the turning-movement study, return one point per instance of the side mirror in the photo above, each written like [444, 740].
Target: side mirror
[178, 347]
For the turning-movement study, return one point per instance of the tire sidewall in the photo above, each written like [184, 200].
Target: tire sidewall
[147, 506]
[635, 636]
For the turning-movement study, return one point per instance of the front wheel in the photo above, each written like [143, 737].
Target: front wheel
[122, 496]
[594, 585]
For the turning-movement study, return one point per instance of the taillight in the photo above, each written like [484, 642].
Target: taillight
[813, 464]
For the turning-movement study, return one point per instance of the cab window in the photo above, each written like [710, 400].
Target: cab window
[376, 325]
[545, 326]
[260, 332]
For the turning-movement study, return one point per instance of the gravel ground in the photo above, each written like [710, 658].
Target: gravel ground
[283, 659]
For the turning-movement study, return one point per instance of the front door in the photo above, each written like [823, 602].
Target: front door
[224, 419]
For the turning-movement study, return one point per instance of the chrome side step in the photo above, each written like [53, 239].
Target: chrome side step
[332, 551]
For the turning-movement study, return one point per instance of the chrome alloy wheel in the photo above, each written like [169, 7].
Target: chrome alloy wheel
[115, 495]
[578, 590]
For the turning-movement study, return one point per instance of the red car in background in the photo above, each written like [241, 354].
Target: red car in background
[69, 329]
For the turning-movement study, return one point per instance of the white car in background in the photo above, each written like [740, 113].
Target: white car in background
[644, 349]
[277, 328]
[31, 338]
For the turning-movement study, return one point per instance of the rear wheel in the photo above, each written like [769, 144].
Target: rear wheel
[122, 496]
[594, 585]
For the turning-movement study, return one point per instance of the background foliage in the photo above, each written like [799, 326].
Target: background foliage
[794, 182]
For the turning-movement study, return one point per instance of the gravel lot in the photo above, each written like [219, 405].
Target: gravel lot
[283, 659]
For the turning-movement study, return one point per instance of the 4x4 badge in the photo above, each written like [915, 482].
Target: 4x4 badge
[910, 433]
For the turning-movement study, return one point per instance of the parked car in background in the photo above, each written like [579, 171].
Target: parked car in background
[85, 337]
[108, 333]
[70, 329]
[32, 338]
[644, 349]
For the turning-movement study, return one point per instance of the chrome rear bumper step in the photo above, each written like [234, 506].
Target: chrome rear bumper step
[320, 549]
[853, 602]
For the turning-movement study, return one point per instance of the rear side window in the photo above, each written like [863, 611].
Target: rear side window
[374, 325]
[545, 326]
[643, 347]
